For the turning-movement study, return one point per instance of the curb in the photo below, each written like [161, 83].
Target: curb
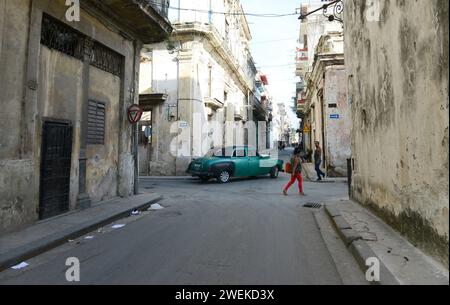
[45, 244]
[166, 178]
[358, 247]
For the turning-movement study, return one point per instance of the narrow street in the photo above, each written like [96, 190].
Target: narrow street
[153, 142]
[244, 232]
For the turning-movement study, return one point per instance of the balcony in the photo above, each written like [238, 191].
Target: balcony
[144, 19]
[162, 6]
[213, 103]
[259, 109]
[148, 101]
[239, 114]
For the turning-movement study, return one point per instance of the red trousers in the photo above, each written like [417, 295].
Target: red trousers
[300, 182]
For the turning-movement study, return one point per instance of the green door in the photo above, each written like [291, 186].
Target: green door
[241, 162]
[253, 160]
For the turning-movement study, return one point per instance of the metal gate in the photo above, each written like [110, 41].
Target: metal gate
[55, 169]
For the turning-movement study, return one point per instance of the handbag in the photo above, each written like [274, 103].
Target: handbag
[288, 168]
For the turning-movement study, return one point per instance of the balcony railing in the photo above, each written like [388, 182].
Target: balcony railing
[161, 6]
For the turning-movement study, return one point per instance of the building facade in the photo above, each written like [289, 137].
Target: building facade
[398, 90]
[321, 102]
[66, 142]
[327, 111]
[200, 88]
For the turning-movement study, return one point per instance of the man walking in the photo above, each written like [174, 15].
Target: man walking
[318, 161]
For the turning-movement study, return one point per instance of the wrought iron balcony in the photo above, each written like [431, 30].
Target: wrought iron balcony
[161, 6]
[147, 19]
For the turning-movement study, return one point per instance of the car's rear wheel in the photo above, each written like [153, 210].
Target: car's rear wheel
[224, 176]
[274, 172]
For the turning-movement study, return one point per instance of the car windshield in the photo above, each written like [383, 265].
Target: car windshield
[220, 152]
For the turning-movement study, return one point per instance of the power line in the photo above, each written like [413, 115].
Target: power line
[234, 14]
[277, 40]
[263, 15]
[276, 66]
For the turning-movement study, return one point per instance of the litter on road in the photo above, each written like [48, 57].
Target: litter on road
[20, 266]
[136, 212]
[119, 226]
[155, 206]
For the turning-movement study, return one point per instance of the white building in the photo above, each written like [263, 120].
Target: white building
[322, 95]
[311, 30]
[195, 84]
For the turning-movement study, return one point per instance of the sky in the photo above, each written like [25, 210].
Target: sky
[273, 47]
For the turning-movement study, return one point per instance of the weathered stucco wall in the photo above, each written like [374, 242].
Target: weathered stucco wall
[16, 173]
[14, 15]
[37, 83]
[102, 163]
[61, 97]
[398, 79]
[338, 121]
[17, 194]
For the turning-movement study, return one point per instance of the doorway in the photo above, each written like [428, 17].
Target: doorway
[56, 162]
[145, 142]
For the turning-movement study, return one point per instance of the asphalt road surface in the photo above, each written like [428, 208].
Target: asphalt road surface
[244, 232]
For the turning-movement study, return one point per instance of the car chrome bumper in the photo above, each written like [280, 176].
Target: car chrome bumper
[200, 173]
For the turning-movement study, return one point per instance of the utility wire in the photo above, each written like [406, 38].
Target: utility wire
[276, 66]
[277, 40]
[268, 15]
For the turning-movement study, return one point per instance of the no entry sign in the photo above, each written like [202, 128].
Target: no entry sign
[134, 114]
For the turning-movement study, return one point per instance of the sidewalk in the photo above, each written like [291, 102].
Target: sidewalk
[309, 174]
[45, 235]
[367, 236]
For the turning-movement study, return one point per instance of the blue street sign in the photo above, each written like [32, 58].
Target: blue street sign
[334, 116]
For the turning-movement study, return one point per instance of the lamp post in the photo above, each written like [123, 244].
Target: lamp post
[332, 15]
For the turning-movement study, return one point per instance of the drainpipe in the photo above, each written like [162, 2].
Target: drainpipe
[135, 128]
[178, 85]
[178, 102]
[210, 12]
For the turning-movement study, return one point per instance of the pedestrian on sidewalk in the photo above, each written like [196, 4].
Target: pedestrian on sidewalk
[296, 174]
[318, 161]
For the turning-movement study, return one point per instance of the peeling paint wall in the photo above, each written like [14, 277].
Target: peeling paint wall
[16, 206]
[14, 15]
[328, 111]
[338, 121]
[102, 164]
[398, 83]
[60, 97]
[16, 172]
[37, 84]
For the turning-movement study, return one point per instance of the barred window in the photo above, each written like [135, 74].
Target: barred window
[106, 59]
[96, 123]
[61, 37]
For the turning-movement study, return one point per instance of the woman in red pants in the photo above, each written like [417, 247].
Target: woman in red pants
[296, 162]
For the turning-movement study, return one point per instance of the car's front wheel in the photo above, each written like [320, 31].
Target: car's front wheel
[224, 176]
[274, 172]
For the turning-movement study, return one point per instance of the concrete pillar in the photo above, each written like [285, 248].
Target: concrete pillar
[185, 103]
[83, 197]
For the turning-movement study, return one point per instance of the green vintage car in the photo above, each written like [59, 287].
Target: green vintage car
[240, 161]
